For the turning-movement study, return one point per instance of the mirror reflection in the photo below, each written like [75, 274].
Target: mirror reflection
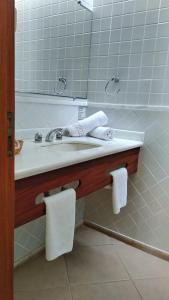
[52, 47]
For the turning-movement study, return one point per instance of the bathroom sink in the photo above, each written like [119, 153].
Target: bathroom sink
[71, 146]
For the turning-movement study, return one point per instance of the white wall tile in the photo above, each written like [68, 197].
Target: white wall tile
[139, 37]
[146, 216]
[52, 40]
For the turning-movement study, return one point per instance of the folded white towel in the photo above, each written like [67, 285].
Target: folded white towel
[81, 128]
[60, 223]
[119, 189]
[103, 133]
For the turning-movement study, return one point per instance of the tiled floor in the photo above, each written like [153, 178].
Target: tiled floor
[99, 268]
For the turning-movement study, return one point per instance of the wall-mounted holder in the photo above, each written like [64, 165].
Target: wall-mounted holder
[87, 4]
[114, 80]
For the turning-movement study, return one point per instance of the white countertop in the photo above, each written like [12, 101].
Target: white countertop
[35, 159]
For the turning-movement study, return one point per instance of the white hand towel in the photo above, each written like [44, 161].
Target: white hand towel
[103, 133]
[60, 223]
[81, 128]
[119, 189]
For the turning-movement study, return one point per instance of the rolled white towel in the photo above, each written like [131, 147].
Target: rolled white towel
[103, 133]
[81, 128]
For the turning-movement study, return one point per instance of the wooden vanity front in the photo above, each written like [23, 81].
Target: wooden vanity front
[92, 175]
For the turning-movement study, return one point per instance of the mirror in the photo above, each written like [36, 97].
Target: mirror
[53, 40]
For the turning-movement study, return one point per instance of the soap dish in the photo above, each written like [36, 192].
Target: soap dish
[18, 146]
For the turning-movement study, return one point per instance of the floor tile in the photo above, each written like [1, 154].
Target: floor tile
[94, 264]
[153, 289]
[123, 290]
[141, 265]
[60, 293]
[40, 274]
[97, 269]
[90, 237]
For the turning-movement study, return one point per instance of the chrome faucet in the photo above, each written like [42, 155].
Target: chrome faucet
[38, 138]
[54, 133]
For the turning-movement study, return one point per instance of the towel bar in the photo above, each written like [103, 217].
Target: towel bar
[92, 175]
[40, 198]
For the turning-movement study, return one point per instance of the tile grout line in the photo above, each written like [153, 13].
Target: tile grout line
[92, 283]
[106, 282]
[131, 279]
[99, 283]
[137, 289]
[69, 287]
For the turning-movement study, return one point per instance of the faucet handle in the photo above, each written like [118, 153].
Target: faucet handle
[38, 137]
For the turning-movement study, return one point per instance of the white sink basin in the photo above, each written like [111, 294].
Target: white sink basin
[71, 146]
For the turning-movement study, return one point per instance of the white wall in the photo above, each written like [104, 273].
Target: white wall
[132, 38]
[41, 111]
[146, 217]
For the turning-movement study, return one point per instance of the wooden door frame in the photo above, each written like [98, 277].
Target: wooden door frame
[6, 162]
